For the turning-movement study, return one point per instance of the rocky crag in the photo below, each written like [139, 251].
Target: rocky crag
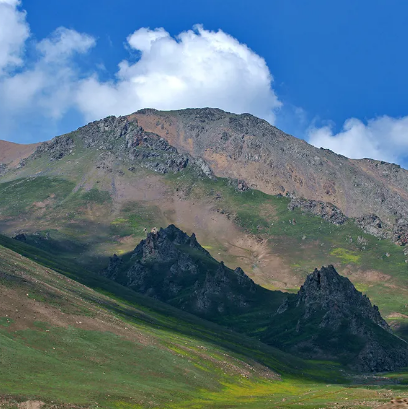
[369, 223]
[340, 322]
[128, 142]
[327, 319]
[171, 266]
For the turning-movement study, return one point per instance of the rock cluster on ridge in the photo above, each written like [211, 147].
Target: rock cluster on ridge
[126, 141]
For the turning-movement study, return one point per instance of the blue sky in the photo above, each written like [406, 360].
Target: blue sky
[337, 69]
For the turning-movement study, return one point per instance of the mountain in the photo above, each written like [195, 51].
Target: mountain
[338, 321]
[90, 193]
[173, 267]
[327, 319]
[81, 197]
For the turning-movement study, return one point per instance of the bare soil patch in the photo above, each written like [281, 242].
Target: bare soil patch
[12, 153]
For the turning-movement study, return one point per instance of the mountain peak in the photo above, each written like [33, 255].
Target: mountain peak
[172, 266]
[329, 317]
[162, 245]
[327, 290]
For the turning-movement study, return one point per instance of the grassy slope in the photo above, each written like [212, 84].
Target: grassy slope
[63, 342]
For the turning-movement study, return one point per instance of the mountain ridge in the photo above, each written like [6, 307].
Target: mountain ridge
[12, 153]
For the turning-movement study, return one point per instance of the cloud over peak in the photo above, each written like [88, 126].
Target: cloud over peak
[197, 68]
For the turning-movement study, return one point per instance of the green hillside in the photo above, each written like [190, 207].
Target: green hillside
[64, 343]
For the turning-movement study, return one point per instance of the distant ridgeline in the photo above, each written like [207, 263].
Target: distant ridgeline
[327, 319]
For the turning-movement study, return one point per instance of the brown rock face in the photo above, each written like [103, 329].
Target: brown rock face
[250, 149]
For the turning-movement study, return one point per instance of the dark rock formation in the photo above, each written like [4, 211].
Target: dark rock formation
[400, 232]
[330, 319]
[327, 211]
[20, 237]
[326, 290]
[3, 169]
[171, 266]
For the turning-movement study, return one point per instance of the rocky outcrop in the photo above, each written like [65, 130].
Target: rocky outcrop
[3, 169]
[57, 148]
[326, 211]
[172, 266]
[372, 224]
[326, 290]
[400, 232]
[20, 237]
[330, 318]
[127, 142]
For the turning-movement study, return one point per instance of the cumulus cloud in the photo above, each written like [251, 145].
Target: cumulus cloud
[382, 138]
[63, 44]
[14, 31]
[44, 86]
[198, 68]
[49, 84]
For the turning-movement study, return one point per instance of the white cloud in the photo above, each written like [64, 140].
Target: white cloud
[144, 38]
[63, 44]
[14, 31]
[382, 138]
[198, 68]
[44, 86]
